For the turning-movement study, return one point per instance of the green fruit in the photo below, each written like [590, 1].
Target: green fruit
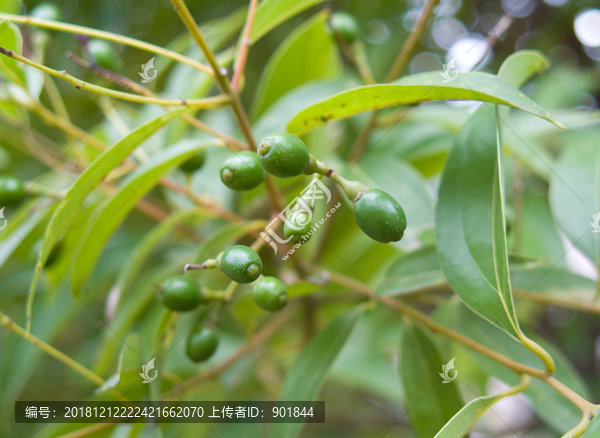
[240, 263]
[46, 11]
[283, 155]
[297, 225]
[380, 216]
[180, 294]
[103, 54]
[242, 171]
[345, 25]
[12, 190]
[270, 294]
[201, 343]
[194, 163]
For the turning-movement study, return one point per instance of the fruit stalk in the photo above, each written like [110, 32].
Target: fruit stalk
[240, 62]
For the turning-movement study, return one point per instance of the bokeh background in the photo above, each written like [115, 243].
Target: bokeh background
[360, 400]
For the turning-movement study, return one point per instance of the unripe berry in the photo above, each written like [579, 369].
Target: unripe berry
[345, 25]
[297, 225]
[193, 163]
[242, 171]
[180, 294]
[270, 294]
[46, 11]
[12, 190]
[240, 263]
[283, 155]
[103, 54]
[201, 343]
[380, 216]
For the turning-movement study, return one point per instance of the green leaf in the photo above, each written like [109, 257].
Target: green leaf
[430, 402]
[575, 190]
[308, 371]
[88, 180]
[551, 406]
[11, 39]
[10, 6]
[593, 429]
[275, 118]
[118, 206]
[142, 251]
[367, 361]
[414, 89]
[21, 223]
[471, 232]
[520, 66]
[287, 68]
[552, 280]
[464, 419]
[271, 13]
[411, 272]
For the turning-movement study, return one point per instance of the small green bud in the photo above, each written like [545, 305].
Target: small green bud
[270, 294]
[46, 11]
[380, 216]
[345, 25]
[201, 343]
[240, 263]
[242, 171]
[193, 163]
[180, 294]
[283, 155]
[103, 54]
[12, 190]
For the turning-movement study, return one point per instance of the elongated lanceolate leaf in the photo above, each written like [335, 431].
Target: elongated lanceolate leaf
[414, 89]
[92, 176]
[118, 206]
[307, 373]
[430, 402]
[464, 419]
[471, 232]
[520, 66]
[271, 13]
[287, 68]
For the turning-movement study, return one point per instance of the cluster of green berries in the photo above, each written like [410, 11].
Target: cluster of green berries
[12, 190]
[377, 214]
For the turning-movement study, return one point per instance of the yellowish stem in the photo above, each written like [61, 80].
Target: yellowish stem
[109, 36]
[5, 321]
[206, 103]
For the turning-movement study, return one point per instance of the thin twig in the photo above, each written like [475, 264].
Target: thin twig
[206, 103]
[517, 367]
[411, 41]
[127, 83]
[273, 193]
[395, 71]
[109, 36]
[270, 329]
[240, 62]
